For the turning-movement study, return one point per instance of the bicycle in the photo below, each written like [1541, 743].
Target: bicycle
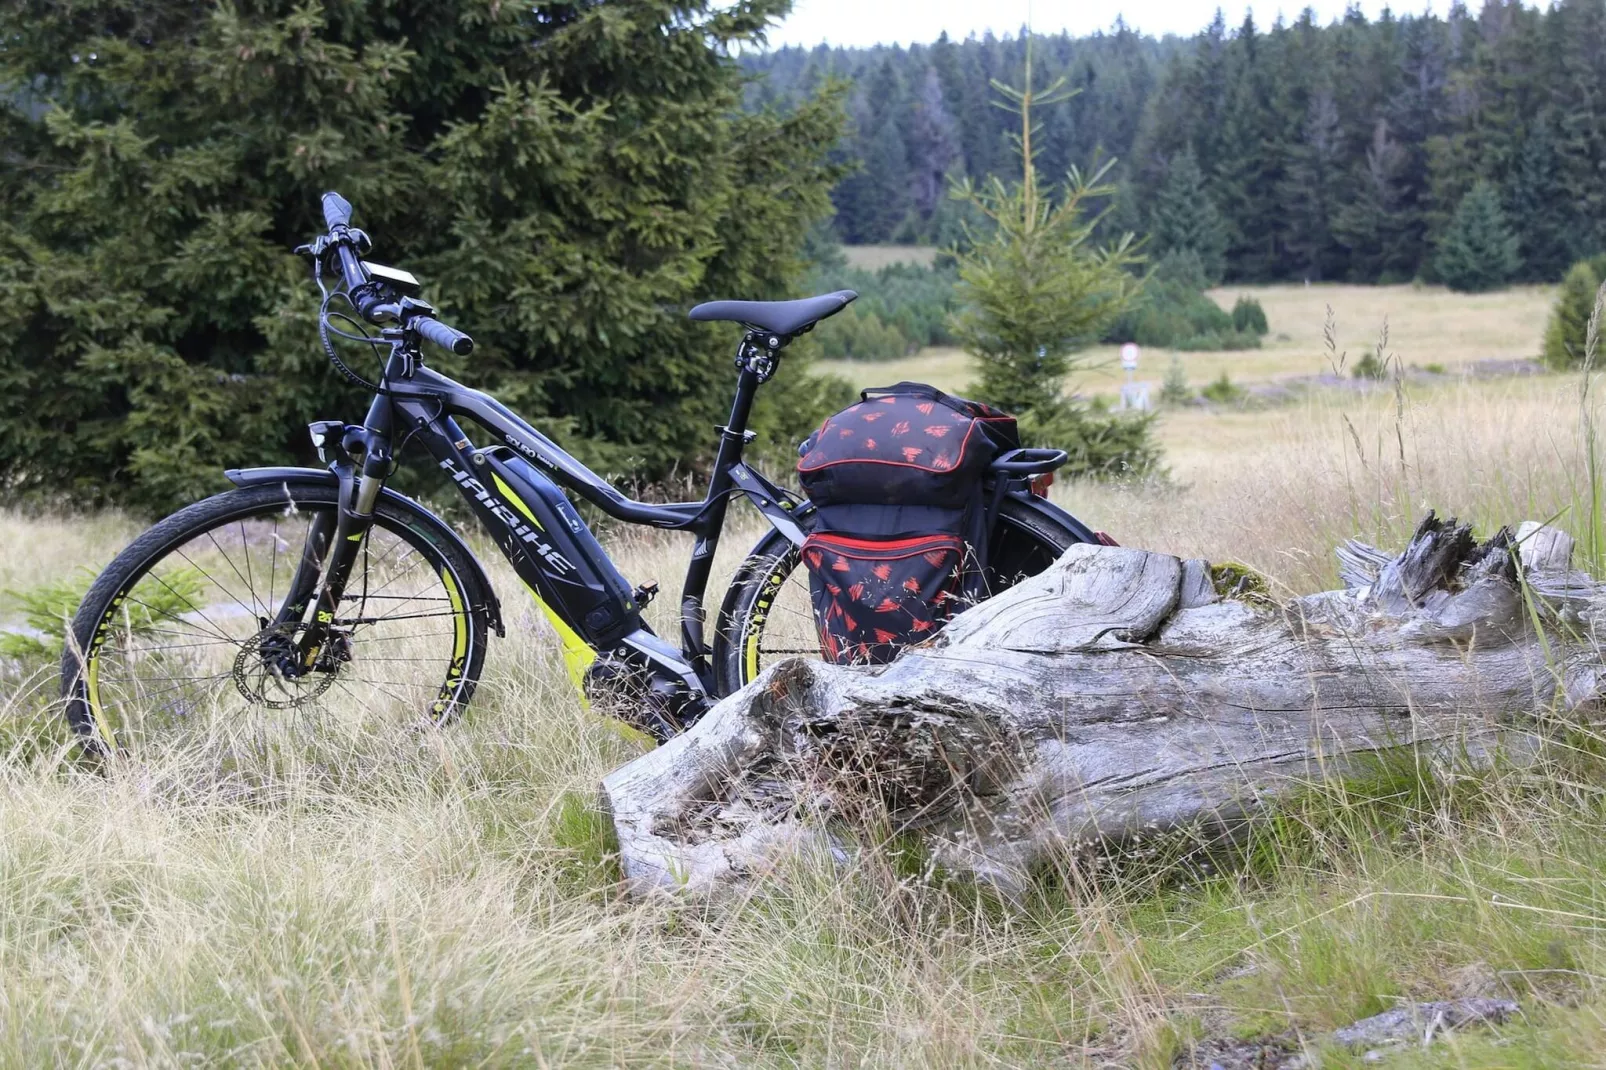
[324, 589]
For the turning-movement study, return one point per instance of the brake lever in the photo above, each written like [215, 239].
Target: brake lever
[324, 242]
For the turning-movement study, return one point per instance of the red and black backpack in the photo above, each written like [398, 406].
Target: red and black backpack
[900, 544]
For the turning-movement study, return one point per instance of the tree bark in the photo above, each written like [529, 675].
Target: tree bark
[1119, 692]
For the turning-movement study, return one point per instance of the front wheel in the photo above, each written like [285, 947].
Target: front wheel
[176, 638]
[767, 614]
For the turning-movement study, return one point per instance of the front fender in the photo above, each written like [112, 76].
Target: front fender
[433, 526]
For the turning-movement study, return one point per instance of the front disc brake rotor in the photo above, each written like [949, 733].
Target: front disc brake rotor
[260, 676]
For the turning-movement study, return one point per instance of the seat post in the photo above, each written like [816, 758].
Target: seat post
[752, 355]
[756, 359]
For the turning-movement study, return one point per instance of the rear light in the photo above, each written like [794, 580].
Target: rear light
[1104, 539]
[1040, 484]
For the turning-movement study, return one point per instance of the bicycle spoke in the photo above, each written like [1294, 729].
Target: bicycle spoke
[185, 598]
[396, 616]
[398, 597]
[157, 614]
[388, 583]
[245, 549]
[273, 564]
[252, 608]
[188, 649]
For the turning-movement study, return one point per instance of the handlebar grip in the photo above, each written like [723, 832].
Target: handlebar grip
[336, 210]
[444, 336]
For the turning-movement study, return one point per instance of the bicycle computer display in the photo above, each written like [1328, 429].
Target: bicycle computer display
[403, 281]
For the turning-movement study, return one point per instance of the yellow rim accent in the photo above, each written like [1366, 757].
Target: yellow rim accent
[751, 668]
[92, 693]
[518, 503]
[577, 653]
[459, 618]
[459, 663]
[758, 619]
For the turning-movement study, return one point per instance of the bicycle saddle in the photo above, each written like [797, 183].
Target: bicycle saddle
[778, 317]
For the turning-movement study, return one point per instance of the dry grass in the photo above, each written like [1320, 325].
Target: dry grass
[1278, 488]
[1426, 325]
[443, 898]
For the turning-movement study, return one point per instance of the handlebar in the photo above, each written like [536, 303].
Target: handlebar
[368, 296]
[448, 338]
[336, 211]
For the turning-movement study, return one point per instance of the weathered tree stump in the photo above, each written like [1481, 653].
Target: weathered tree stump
[1120, 692]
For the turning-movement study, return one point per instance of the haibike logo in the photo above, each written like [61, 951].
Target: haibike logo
[514, 522]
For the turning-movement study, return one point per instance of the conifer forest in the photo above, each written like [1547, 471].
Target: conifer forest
[1467, 148]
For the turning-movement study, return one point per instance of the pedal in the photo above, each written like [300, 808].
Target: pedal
[646, 593]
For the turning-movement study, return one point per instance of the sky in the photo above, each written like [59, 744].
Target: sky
[868, 22]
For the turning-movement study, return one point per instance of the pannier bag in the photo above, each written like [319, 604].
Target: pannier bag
[899, 543]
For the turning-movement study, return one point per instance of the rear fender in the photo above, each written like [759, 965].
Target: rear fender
[425, 521]
[772, 501]
[1071, 523]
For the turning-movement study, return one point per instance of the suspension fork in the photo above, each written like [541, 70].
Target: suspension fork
[334, 541]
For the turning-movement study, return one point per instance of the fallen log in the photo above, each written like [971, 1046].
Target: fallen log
[1120, 692]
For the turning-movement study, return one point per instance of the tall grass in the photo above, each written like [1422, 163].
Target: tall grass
[1279, 488]
[375, 896]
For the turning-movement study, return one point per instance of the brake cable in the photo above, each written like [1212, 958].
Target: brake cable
[326, 328]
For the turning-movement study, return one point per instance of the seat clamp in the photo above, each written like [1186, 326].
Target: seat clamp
[760, 354]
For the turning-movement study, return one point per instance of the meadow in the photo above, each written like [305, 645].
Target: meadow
[1427, 327]
[374, 894]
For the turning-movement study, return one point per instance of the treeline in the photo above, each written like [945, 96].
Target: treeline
[920, 115]
[1467, 148]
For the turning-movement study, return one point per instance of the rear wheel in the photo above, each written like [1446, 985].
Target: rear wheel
[175, 639]
[767, 615]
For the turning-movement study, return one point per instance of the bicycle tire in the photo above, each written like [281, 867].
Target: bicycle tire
[1028, 537]
[105, 623]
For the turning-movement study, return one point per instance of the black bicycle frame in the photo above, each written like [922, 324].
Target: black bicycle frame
[515, 487]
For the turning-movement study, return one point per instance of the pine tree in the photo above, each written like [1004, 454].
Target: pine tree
[872, 203]
[1174, 390]
[1185, 219]
[1330, 151]
[1032, 288]
[1415, 116]
[931, 144]
[563, 178]
[1311, 191]
[1541, 213]
[1566, 333]
[1034, 292]
[1247, 165]
[1574, 52]
[1374, 225]
[1478, 252]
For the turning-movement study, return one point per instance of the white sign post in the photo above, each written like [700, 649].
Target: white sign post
[1134, 395]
